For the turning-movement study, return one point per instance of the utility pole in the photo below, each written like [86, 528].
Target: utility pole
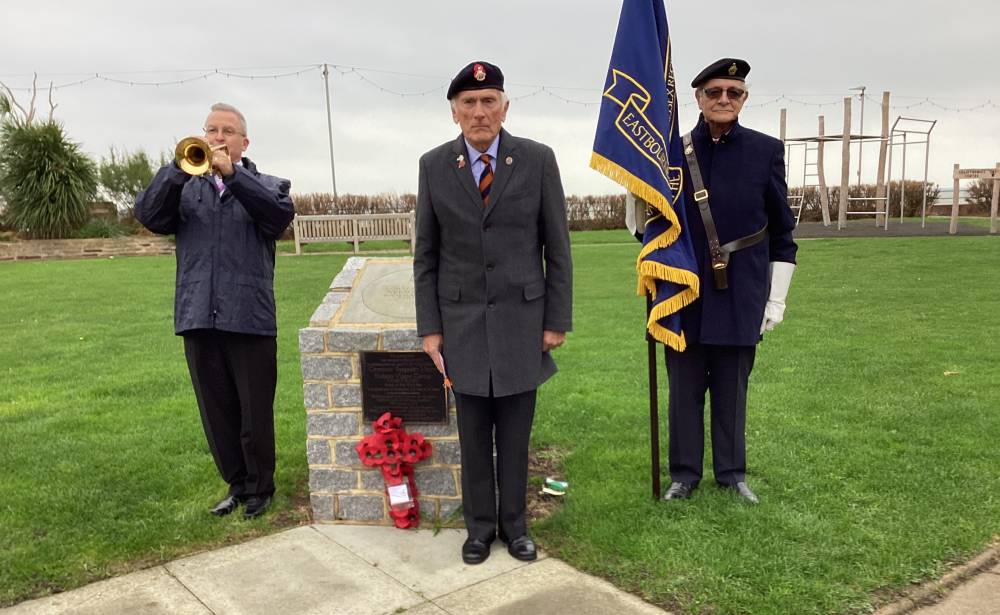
[329, 126]
[861, 127]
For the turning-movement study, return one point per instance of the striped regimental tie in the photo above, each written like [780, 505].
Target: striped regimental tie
[486, 179]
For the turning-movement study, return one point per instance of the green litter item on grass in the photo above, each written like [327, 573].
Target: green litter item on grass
[556, 485]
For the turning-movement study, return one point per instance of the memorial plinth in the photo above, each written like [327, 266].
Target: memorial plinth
[348, 372]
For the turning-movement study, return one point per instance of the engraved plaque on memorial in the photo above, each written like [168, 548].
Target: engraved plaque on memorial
[404, 383]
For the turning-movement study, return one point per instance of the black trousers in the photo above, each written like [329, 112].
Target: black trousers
[234, 377]
[723, 371]
[507, 420]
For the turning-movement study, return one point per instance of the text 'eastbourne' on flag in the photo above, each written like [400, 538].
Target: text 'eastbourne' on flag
[638, 146]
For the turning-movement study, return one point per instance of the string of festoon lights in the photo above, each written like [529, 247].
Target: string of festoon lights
[565, 94]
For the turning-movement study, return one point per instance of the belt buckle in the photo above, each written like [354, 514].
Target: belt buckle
[719, 260]
[701, 195]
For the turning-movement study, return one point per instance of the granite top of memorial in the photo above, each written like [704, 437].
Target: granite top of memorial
[382, 293]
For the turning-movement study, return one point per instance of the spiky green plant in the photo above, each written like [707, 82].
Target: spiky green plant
[45, 180]
[122, 175]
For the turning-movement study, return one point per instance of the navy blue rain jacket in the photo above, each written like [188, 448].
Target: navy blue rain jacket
[225, 246]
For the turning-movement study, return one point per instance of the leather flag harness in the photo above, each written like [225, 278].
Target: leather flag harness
[718, 252]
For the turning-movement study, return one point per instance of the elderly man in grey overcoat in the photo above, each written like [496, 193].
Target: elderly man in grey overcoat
[493, 279]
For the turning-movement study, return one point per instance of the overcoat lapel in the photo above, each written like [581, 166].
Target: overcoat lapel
[463, 174]
[503, 172]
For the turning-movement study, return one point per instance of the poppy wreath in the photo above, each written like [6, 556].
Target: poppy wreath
[394, 451]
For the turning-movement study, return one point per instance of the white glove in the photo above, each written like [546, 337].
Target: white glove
[781, 279]
[635, 215]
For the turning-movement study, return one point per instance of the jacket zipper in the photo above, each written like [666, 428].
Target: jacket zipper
[215, 245]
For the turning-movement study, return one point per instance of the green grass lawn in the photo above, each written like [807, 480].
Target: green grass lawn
[872, 436]
[872, 430]
[600, 238]
[103, 463]
[288, 247]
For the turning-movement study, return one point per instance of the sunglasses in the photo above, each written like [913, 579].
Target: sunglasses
[732, 93]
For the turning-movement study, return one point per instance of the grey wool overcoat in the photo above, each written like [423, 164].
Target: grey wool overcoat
[491, 279]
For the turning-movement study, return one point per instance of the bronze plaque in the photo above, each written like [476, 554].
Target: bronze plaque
[404, 383]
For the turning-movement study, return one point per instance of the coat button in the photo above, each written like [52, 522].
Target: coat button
[489, 267]
[486, 228]
[491, 305]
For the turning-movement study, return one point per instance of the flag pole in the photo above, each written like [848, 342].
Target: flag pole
[641, 151]
[654, 404]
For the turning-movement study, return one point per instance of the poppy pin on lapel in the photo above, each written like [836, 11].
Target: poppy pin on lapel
[461, 161]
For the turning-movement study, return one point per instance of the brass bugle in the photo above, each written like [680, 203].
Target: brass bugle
[194, 155]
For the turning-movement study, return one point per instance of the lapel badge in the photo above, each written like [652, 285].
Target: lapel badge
[688, 150]
[509, 161]
[732, 68]
[479, 72]
[461, 161]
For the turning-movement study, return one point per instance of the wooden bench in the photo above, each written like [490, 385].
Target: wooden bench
[945, 198]
[354, 228]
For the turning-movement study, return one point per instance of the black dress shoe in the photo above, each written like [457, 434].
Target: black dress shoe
[227, 505]
[679, 491]
[256, 505]
[475, 551]
[522, 548]
[744, 492]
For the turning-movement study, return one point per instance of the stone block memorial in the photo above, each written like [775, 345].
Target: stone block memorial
[360, 358]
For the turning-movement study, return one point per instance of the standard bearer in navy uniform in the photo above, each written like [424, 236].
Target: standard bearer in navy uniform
[741, 229]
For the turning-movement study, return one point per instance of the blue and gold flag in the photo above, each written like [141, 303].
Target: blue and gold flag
[638, 145]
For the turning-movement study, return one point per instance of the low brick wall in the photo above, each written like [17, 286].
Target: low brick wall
[343, 490]
[39, 249]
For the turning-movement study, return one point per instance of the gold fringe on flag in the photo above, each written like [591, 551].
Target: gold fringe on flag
[651, 271]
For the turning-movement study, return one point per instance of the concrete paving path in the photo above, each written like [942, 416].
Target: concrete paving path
[346, 570]
[979, 596]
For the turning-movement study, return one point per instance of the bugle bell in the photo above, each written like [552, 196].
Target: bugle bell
[194, 155]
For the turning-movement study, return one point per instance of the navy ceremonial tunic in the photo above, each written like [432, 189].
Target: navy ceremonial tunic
[744, 173]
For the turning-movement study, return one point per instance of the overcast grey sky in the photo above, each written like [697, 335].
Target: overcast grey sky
[807, 51]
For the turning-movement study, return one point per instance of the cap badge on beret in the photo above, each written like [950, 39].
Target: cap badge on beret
[733, 69]
[476, 75]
